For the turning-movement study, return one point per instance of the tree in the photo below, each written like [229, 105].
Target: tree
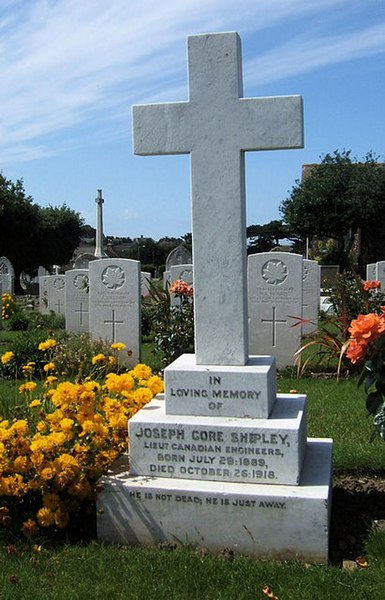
[264, 237]
[32, 235]
[57, 235]
[19, 219]
[340, 198]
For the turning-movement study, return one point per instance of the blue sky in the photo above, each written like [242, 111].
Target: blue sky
[71, 70]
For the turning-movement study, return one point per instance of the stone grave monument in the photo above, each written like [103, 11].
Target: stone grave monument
[52, 294]
[77, 300]
[221, 460]
[275, 305]
[114, 297]
[180, 255]
[371, 272]
[7, 275]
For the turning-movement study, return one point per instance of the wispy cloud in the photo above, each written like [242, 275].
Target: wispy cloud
[67, 64]
[303, 54]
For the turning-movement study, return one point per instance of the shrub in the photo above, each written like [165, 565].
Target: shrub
[63, 439]
[171, 326]
[74, 356]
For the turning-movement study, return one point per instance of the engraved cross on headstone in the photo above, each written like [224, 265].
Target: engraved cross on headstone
[216, 126]
[274, 322]
[82, 311]
[59, 306]
[113, 322]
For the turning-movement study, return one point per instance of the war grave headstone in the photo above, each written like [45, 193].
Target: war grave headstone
[275, 305]
[180, 255]
[7, 275]
[311, 290]
[77, 300]
[221, 446]
[371, 272]
[83, 260]
[114, 296]
[52, 294]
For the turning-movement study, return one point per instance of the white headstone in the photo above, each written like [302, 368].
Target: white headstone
[77, 300]
[311, 290]
[180, 255]
[371, 272]
[7, 275]
[115, 303]
[52, 294]
[380, 269]
[275, 304]
[211, 452]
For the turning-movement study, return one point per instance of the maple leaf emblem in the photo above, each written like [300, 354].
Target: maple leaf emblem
[113, 277]
[58, 284]
[274, 272]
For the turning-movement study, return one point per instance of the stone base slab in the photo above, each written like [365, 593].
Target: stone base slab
[264, 521]
[221, 391]
[220, 448]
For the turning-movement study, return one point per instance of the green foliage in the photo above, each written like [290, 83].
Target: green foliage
[25, 349]
[372, 378]
[327, 346]
[172, 327]
[349, 299]
[264, 237]
[337, 198]
[32, 235]
[73, 355]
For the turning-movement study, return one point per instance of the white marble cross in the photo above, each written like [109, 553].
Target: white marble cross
[216, 126]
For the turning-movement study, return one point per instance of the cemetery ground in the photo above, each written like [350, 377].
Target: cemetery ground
[75, 565]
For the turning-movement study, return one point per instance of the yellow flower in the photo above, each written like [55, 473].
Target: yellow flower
[35, 403]
[98, 358]
[118, 346]
[50, 380]
[47, 345]
[7, 357]
[45, 517]
[30, 386]
[49, 367]
[29, 528]
[155, 384]
[141, 371]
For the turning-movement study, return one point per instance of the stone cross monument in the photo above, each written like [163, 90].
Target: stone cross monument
[221, 446]
[99, 249]
[216, 126]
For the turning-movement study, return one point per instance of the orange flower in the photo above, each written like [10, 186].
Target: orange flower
[356, 351]
[368, 327]
[181, 288]
[371, 285]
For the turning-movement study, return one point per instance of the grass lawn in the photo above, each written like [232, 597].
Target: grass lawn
[91, 570]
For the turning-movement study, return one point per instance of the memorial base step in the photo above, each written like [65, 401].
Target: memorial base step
[265, 521]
